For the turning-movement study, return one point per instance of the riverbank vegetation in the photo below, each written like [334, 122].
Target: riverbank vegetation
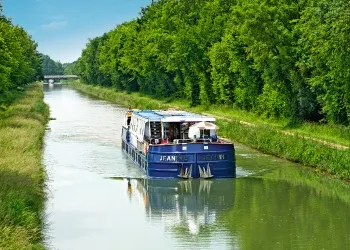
[22, 128]
[23, 116]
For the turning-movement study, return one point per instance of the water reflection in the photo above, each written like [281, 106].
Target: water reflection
[275, 214]
[51, 87]
[189, 206]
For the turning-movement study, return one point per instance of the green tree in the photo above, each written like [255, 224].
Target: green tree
[70, 68]
[51, 67]
[280, 59]
[324, 27]
[19, 59]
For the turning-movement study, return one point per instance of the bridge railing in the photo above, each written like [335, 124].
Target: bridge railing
[60, 76]
[47, 78]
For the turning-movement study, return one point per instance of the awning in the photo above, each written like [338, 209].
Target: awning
[205, 125]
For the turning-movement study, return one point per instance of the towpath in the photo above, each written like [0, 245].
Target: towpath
[327, 143]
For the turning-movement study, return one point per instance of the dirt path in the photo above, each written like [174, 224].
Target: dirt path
[327, 143]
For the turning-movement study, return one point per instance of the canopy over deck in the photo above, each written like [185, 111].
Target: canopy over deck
[172, 116]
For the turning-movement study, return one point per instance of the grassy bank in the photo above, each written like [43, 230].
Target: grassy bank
[297, 148]
[22, 127]
[309, 144]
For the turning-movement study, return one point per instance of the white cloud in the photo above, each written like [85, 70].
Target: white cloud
[55, 25]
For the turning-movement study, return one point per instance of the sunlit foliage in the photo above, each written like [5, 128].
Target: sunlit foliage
[280, 59]
[20, 62]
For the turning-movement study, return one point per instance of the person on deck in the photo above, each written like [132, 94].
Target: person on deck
[128, 114]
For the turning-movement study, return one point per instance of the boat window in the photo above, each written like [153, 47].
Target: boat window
[156, 130]
[174, 131]
[184, 127]
[146, 131]
[139, 126]
[133, 124]
[206, 133]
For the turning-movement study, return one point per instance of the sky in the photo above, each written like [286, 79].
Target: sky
[62, 27]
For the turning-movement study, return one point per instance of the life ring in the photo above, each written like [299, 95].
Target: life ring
[145, 148]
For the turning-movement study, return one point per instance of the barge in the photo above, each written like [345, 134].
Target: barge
[177, 144]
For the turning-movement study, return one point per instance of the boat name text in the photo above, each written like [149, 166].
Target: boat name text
[185, 158]
[215, 157]
[173, 158]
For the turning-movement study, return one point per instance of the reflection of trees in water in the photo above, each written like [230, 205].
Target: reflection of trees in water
[250, 213]
[287, 211]
[187, 207]
[323, 184]
[276, 214]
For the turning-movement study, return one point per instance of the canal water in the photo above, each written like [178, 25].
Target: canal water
[97, 198]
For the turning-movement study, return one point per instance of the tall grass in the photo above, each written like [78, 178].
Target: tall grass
[266, 135]
[22, 196]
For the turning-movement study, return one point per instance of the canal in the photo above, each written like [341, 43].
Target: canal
[97, 198]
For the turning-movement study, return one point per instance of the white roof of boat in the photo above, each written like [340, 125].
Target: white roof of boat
[172, 116]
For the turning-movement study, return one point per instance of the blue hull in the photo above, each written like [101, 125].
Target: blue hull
[193, 160]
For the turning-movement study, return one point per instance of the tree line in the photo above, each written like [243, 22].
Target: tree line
[20, 61]
[278, 58]
[51, 67]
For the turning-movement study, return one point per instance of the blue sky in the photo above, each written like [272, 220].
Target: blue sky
[62, 27]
